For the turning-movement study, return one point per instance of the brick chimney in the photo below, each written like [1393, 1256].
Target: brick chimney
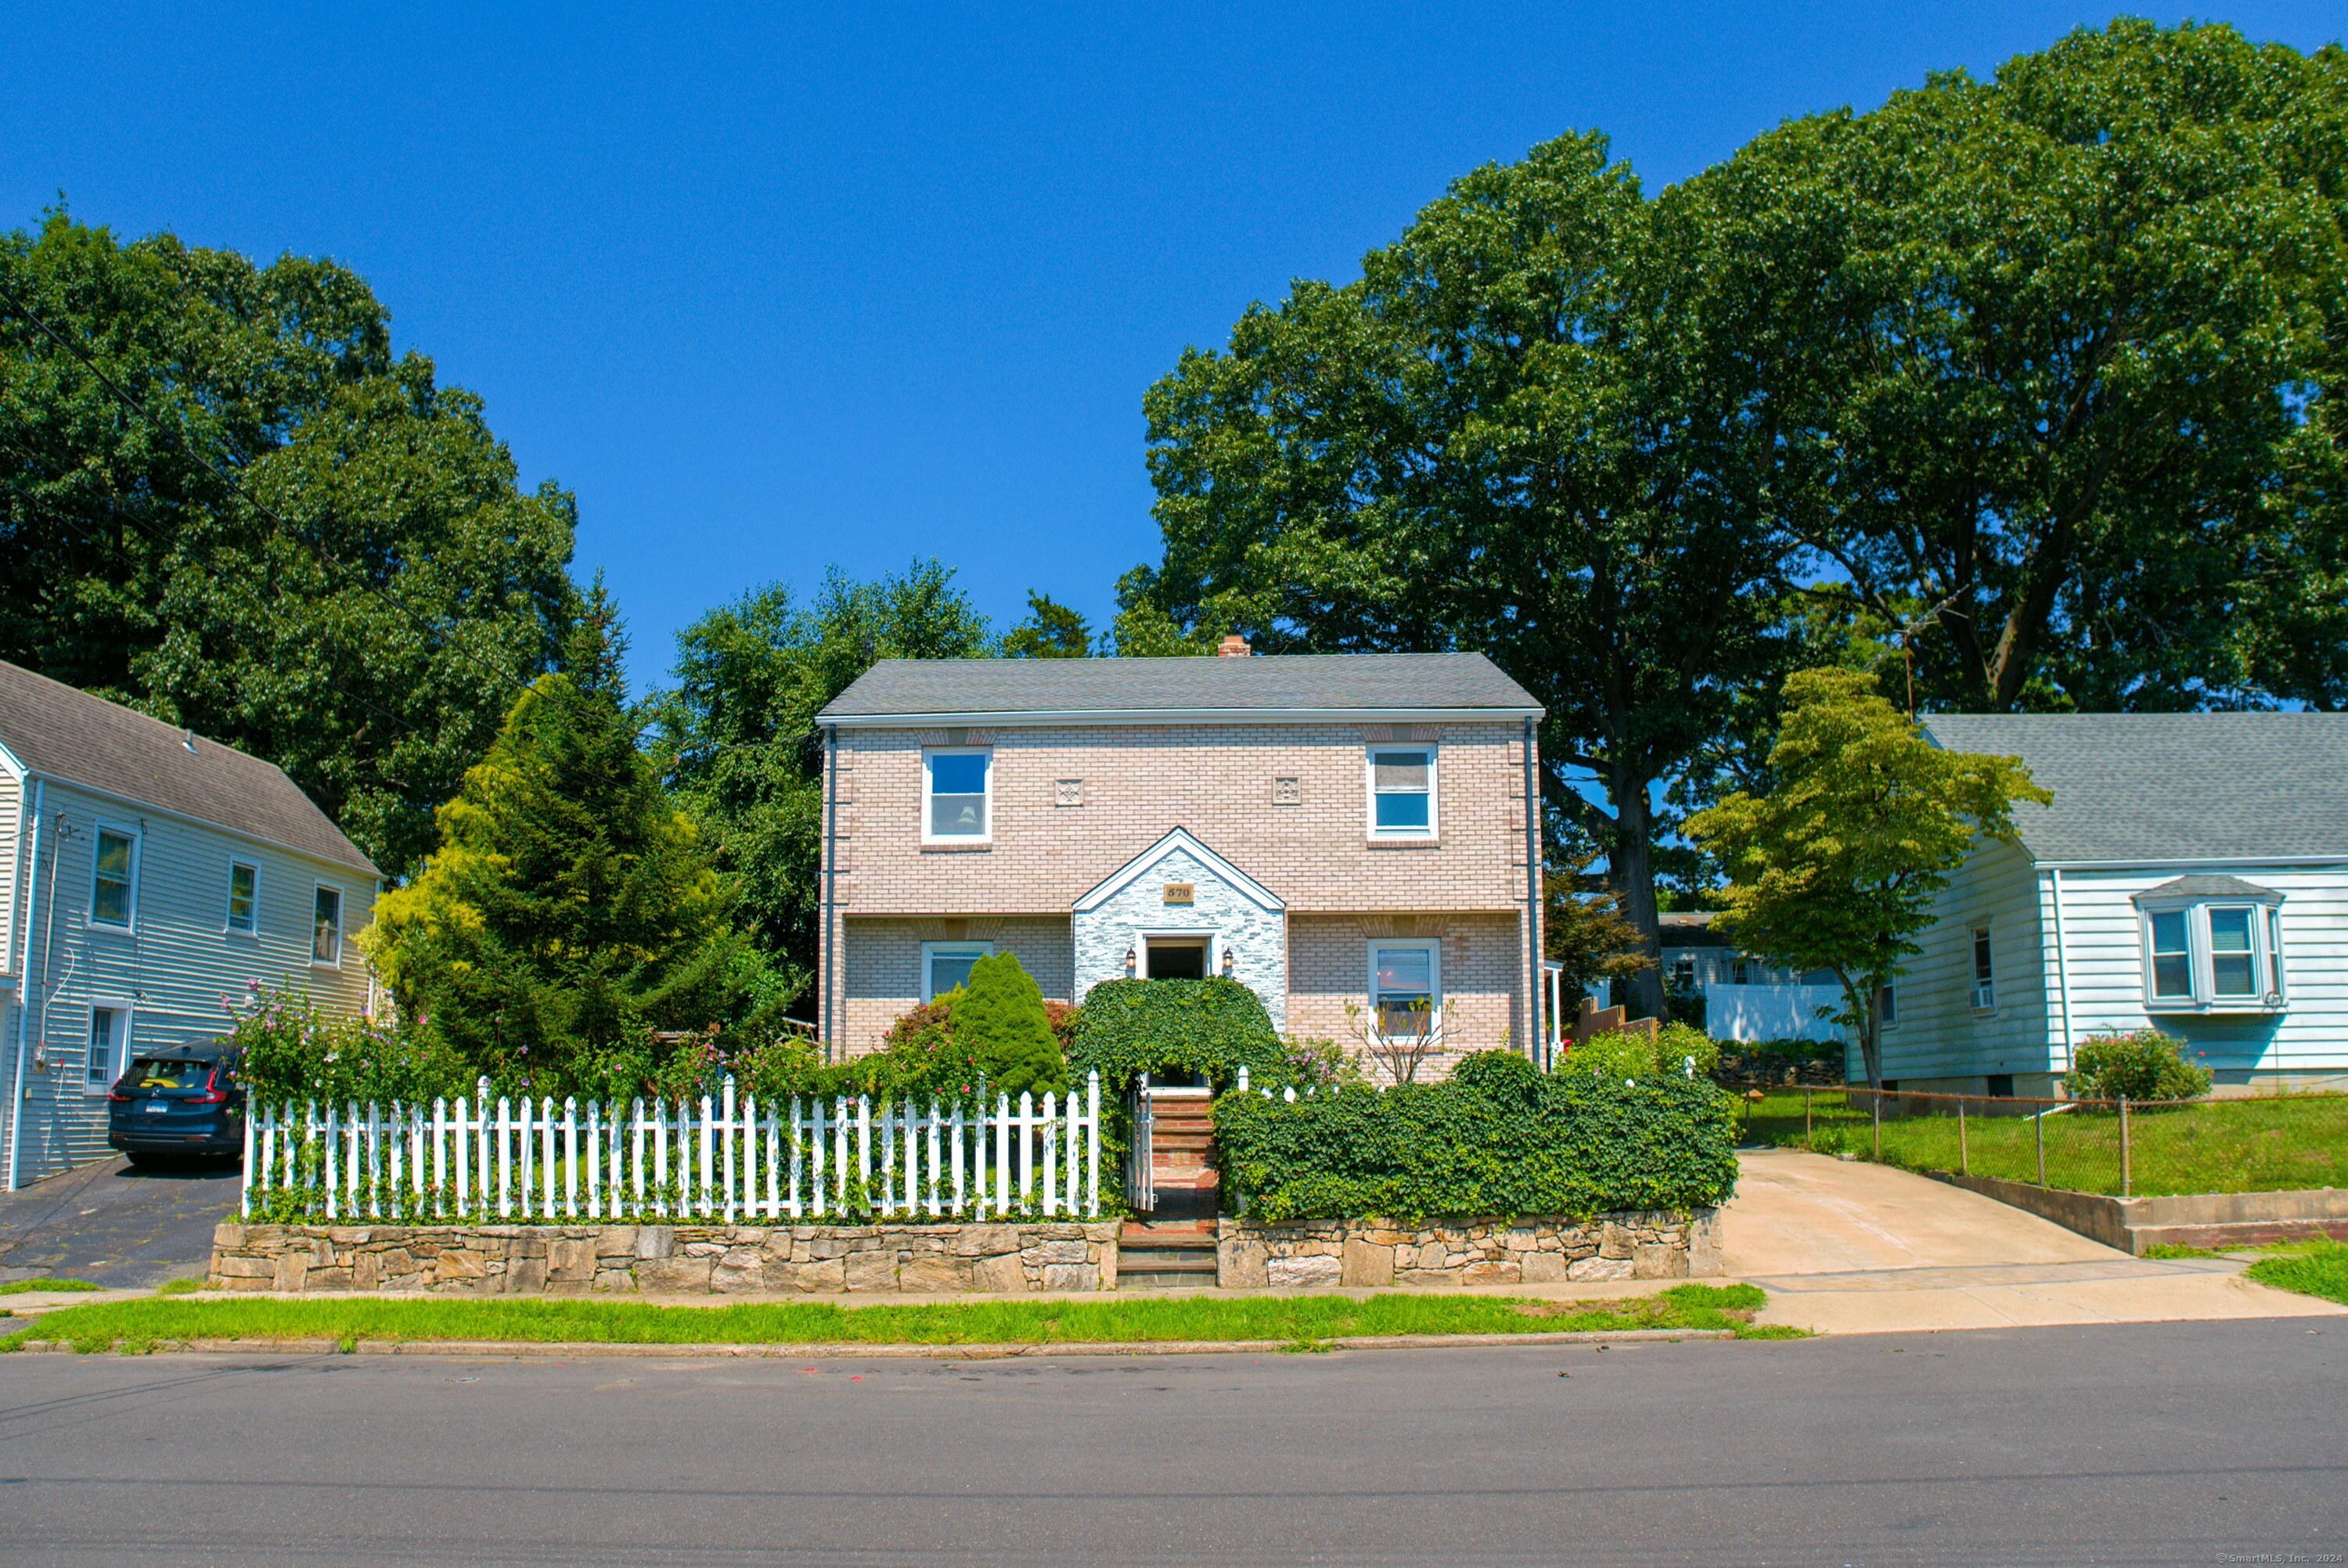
[1232, 646]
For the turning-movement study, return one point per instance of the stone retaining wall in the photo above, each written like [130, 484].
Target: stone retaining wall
[1524, 1251]
[524, 1260]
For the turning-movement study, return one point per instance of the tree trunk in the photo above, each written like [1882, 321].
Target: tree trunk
[1631, 868]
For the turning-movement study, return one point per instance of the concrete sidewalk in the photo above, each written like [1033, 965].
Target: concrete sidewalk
[1849, 1247]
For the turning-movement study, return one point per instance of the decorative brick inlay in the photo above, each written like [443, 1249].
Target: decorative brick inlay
[699, 1260]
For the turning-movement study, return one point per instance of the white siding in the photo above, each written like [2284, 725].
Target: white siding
[171, 972]
[2103, 956]
[12, 813]
[1939, 1034]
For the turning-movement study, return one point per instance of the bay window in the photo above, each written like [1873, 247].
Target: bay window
[2211, 944]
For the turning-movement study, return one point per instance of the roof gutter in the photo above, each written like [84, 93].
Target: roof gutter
[2171, 864]
[1176, 716]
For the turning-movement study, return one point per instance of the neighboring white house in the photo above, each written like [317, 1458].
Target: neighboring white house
[2191, 875]
[1744, 998]
[146, 875]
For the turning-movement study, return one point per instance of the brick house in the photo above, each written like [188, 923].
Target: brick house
[1325, 829]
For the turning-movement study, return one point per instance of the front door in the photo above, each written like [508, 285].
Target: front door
[1175, 958]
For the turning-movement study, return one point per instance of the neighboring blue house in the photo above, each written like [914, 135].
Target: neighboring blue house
[2191, 875]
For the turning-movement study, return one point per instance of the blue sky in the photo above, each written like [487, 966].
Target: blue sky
[775, 290]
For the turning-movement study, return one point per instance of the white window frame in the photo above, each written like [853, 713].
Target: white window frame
[121, 1011]
[2267, 958]
[342, 924]
[137, 838]
[1433, 948]
[1887, 1006]
[228, 904]
[1211, 942]
[928, 817]
[974, 950]
[1434, 790]
[1980, 988]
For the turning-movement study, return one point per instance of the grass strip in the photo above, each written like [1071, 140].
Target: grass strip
[2312, 1268]
[1297, 1320]
[25, 1286]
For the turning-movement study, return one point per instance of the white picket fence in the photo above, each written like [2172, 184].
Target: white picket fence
[714, 1161]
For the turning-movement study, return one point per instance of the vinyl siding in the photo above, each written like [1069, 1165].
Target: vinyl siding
[171, 970]
[2103, 956]
[11, 816]
[1939, 1034]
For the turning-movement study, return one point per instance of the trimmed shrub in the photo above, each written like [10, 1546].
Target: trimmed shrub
[2143, 1065]
[1629, 1053]
[1208, 1026]
[1000, 1011]
[1495, 1139]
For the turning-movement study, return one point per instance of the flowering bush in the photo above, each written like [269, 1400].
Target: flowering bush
[2144, 1064]
[293, 1051]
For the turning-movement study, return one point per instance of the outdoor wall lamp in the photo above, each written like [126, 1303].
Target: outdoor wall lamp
[1131, 957]
[1227, 962]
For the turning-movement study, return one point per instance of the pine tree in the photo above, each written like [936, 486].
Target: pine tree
[572, 910]
[1000, 1010]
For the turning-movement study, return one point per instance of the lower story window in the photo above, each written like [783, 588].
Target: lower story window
[945, 965]
[1406, 987]
[106, 1032]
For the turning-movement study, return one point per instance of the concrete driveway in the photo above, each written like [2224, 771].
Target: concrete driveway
[114, 1226]
[1849, 1247]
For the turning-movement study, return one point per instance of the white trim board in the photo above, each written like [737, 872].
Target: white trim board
[1038, 716]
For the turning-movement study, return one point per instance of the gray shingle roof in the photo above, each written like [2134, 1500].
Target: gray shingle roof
[2207, 887]
[1332, 683]
[60, 733]
[2138, 788]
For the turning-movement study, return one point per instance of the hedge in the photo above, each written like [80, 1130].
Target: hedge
[1209, 1027]
[1496, 1139]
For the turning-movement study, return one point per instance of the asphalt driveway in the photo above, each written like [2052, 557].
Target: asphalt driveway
[114, 1226]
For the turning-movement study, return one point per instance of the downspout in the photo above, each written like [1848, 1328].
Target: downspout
[24, 913]
[1535, 1045]
[2061, 967]
[826, 957]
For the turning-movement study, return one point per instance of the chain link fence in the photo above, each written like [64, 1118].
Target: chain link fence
[2269, 1143]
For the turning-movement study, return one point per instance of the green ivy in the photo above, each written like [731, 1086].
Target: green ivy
[1213, 1027]
[1496, 1139]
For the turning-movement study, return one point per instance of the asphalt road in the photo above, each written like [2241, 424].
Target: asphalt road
[116, 1225]
[2170, 1442]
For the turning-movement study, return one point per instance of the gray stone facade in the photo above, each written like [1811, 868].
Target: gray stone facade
[697, 1260]
[1318, 1254]
[1235, 917]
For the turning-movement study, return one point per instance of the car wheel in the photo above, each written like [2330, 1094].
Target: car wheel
[142, 1161]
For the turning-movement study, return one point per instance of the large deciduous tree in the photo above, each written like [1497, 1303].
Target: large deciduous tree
[367, 624]
[1836, 867]
[2053, 364]
[1495, 440]
[736, 737]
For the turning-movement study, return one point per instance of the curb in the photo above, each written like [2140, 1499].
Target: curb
[528, 1349]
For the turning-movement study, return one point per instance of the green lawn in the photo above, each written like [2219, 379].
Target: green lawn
[1279, 1319]
[26, 1286]
[2219, 1146]
[2312, 1268]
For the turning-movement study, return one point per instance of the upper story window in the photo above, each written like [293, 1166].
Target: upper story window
[2211, 944]
[1402, 791]
[1985, 970]
[243, 897]
[326, 928]
[114, 878]
[957, 795]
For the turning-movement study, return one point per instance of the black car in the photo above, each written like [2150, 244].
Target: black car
[182, 1101]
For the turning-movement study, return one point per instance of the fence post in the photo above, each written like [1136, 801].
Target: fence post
[2040, 1120]
[2125, 1174]
[1875, 1100]
[1806, 1119]
[1243, 1078]
[1961, 1158]
[1092, 1141]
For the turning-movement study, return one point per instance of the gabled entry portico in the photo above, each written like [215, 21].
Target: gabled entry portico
[1179, 907]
